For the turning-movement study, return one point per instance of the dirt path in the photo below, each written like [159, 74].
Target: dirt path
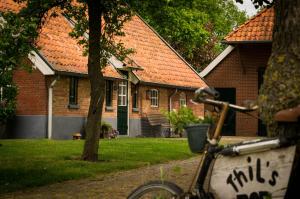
[114, 186]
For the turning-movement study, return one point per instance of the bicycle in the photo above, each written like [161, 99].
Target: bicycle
[255, 169]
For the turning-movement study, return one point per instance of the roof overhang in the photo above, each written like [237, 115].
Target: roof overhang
[247, 42]
[40, 63]
[216, 61]
[167, 86]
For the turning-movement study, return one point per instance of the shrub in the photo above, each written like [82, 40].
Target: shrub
[179, 119]
[106, 130]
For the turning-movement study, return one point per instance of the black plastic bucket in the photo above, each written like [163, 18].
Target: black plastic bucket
[197, 136]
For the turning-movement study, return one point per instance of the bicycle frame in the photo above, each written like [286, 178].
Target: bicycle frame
[212, 148]
[208, 155]
[250, 169]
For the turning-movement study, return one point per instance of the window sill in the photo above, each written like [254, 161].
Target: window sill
[73, 106]
[109, 108]
[136, 110]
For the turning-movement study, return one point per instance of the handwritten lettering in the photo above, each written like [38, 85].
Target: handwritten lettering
[237, 179]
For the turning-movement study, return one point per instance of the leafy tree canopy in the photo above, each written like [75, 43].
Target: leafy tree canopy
[193, 27]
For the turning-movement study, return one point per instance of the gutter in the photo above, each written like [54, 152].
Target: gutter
[247, 42]
[50, 107]
[168, 86]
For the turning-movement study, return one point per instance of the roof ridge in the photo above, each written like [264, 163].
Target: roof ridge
[248, 21]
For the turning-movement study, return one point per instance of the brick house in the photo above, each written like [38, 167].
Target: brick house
[53, 100]
[238, 71]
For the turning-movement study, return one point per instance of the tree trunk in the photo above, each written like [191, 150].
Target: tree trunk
[281, 88]
[97, 83]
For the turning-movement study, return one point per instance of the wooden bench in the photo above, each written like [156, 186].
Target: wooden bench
[157, 119]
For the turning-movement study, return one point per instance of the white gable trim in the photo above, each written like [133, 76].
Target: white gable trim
[216, 61]
[39, 63]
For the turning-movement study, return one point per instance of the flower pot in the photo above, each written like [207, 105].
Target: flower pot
[197, 136]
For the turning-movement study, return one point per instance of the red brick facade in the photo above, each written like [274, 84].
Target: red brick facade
[61, 100]
[32, 98]
[240, 70]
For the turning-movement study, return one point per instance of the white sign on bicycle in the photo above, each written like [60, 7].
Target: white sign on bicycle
[252, 176]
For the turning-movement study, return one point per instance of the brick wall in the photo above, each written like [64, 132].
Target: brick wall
[32, 92]
[61, 100]
[240, 70]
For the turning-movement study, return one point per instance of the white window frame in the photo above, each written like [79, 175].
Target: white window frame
[154, 98]
[182, 99]
[122, 94]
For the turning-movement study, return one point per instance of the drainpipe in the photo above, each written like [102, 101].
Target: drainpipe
[128, 103]
[50, 103]
[170, 100]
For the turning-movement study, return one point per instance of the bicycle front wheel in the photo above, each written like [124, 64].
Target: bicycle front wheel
[157, 190]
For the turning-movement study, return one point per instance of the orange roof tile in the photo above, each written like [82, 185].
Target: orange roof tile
[62, 51]
[257, 29]
[160, 63]
[58, 48]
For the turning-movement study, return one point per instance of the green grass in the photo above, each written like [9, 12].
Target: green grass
[31, 163]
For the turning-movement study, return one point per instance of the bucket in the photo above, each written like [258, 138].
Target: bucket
[197, 136]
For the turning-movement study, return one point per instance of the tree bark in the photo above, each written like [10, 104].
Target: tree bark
[281, 88]
[97, 83]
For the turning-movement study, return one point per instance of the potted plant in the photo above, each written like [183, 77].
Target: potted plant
[179, 119]
[197, 133]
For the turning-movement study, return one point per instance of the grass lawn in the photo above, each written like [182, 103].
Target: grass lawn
[30, 163]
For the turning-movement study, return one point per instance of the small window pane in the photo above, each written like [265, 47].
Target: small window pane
[154, 98]
[109, 93]
[73, 91]
[122, 94]
[182, 100]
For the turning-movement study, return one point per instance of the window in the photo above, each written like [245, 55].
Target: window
[73, 92]
[154, 97]
[135, 97]
[182, 100]
[122, 99]
[109, 93]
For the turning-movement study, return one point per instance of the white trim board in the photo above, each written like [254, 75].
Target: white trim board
[39, 63]
[216, 61]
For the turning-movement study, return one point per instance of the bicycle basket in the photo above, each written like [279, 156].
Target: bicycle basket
[197, 136]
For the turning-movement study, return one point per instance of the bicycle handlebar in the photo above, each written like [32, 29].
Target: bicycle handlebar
[202, 93]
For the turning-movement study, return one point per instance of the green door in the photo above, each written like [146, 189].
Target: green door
[122, 114]
[228, 95]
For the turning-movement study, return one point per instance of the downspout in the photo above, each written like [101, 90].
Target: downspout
[128, 103]
[170, 99]
[50, 107]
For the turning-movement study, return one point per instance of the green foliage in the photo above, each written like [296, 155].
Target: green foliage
[15, 36]
[179, 119]
[193, 27]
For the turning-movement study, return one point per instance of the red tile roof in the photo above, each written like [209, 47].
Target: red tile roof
[257, 29]
[160, 63]
[62, 51]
